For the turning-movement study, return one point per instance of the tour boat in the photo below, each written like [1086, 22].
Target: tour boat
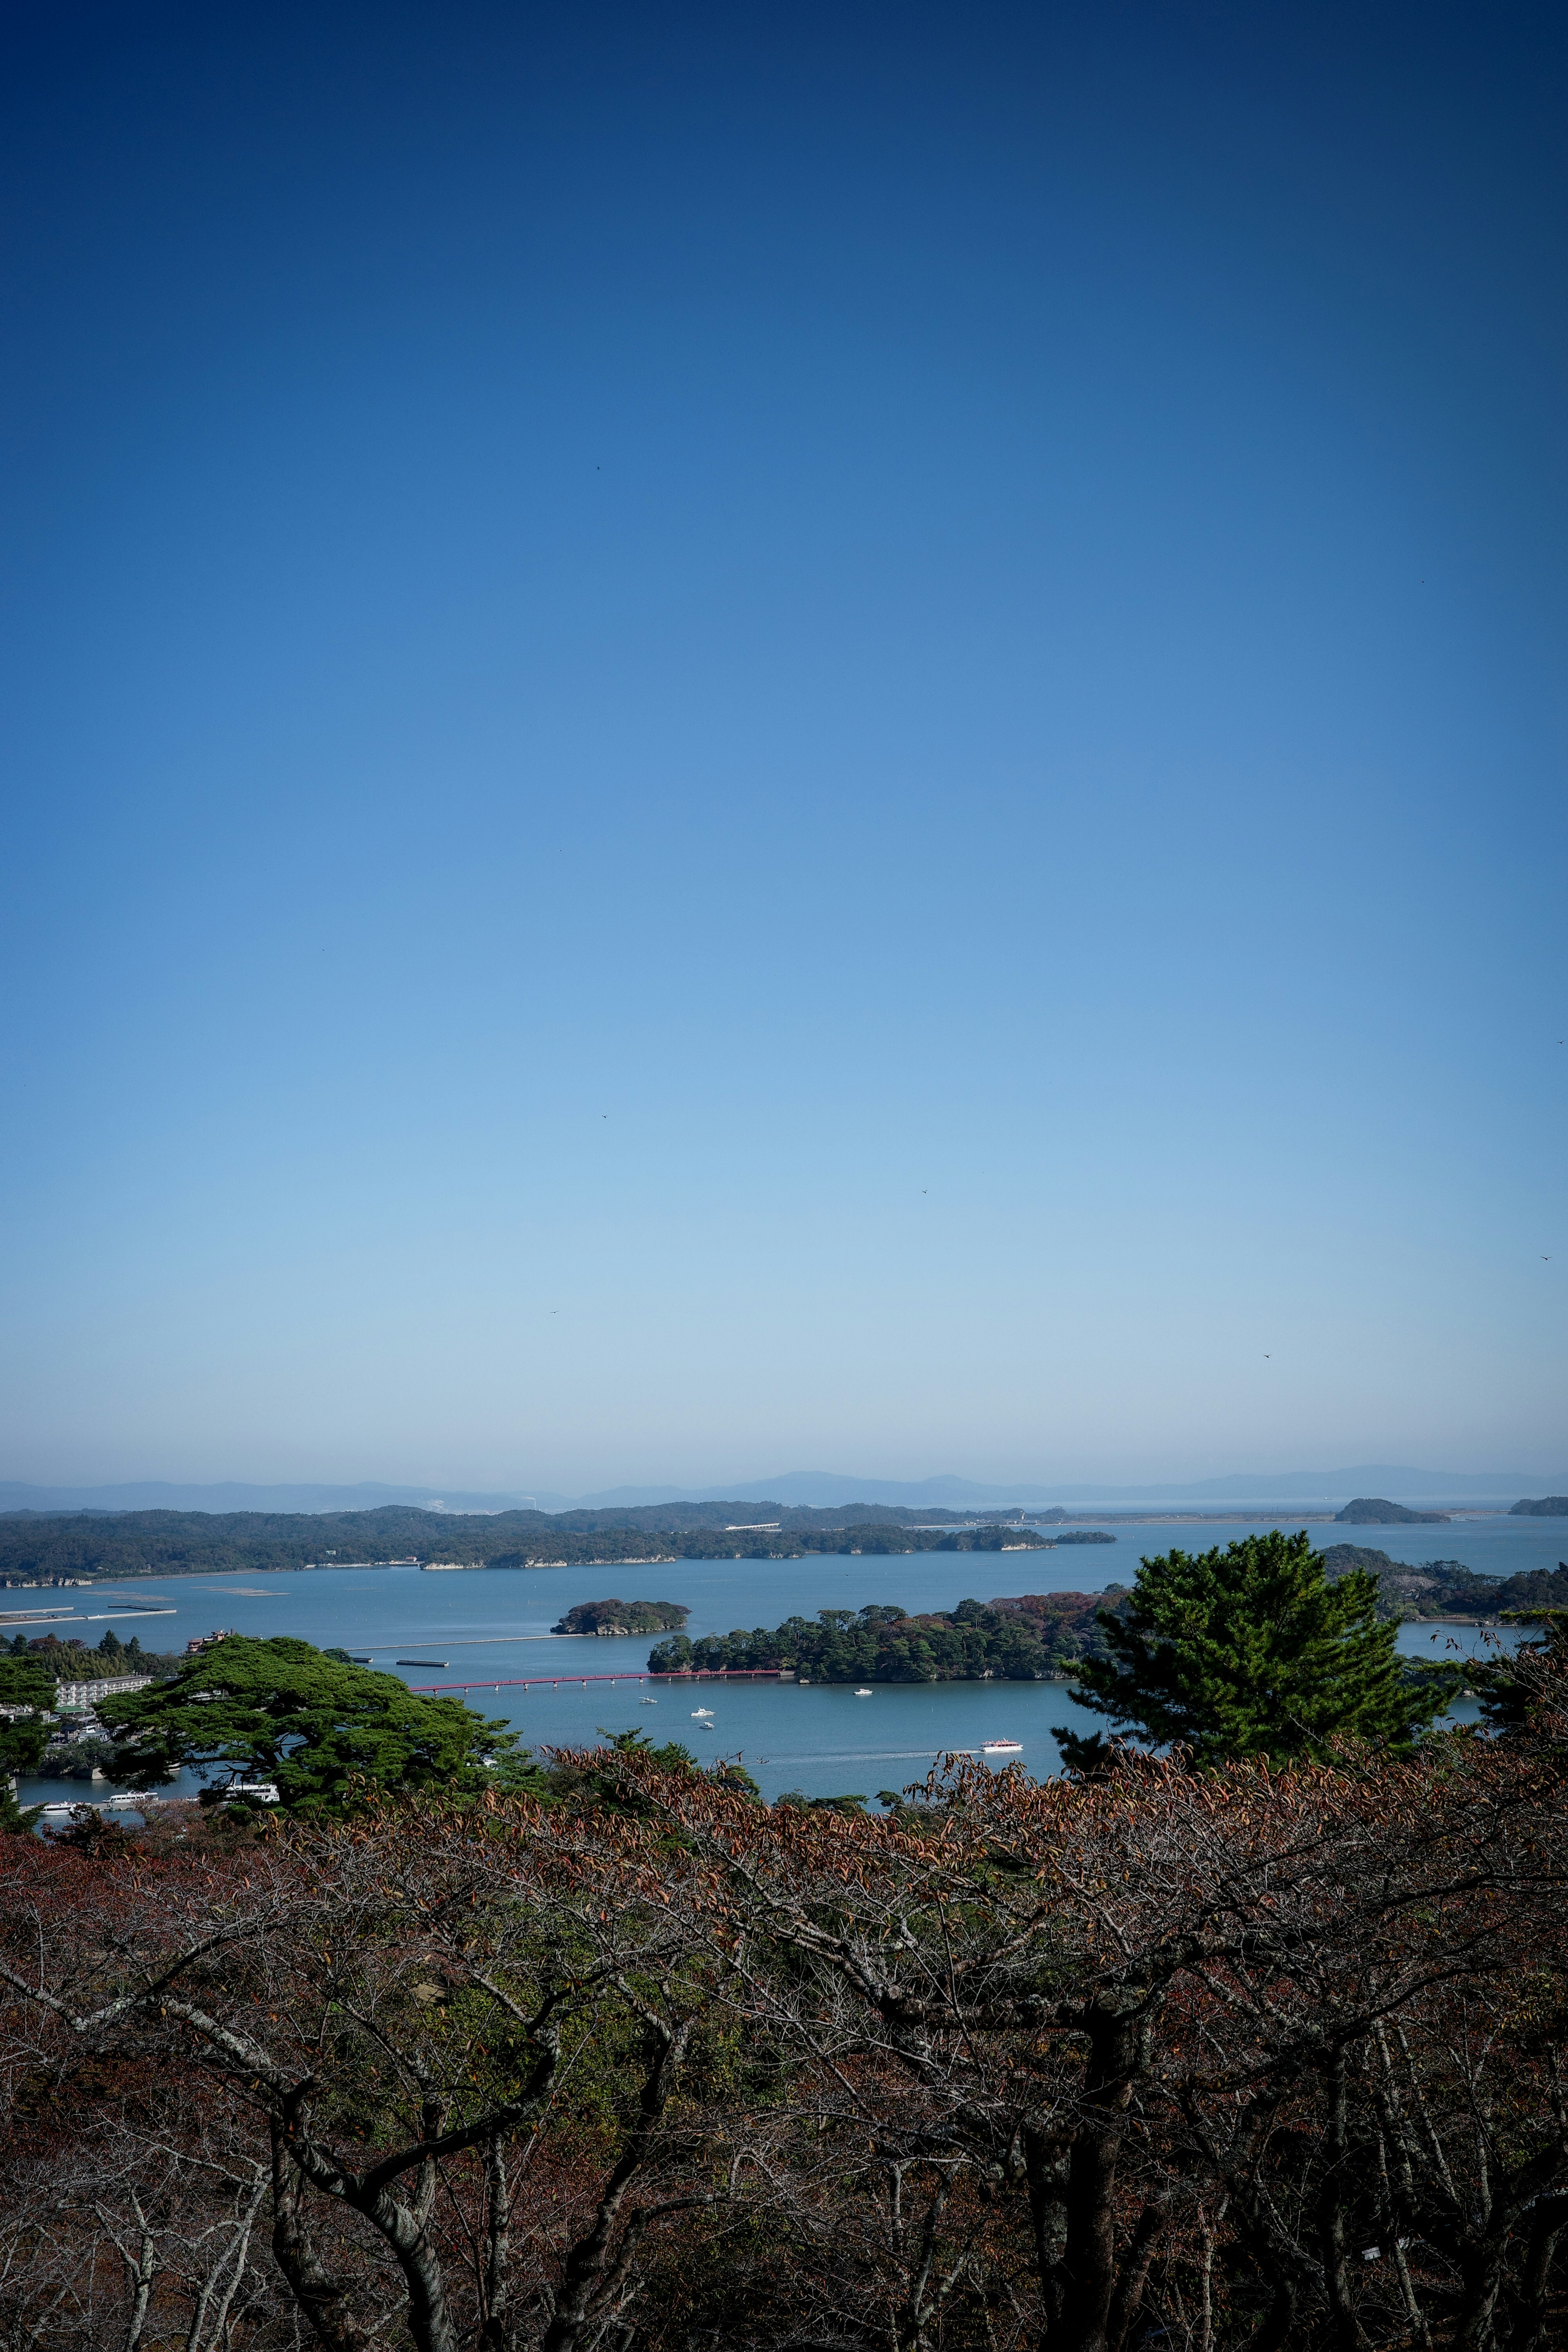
[863, 1692]
[1002, 1747]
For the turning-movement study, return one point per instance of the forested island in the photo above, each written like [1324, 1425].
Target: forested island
[1033, 1637]
[623, 1617]
[1544, 1507]
[1372, 1511]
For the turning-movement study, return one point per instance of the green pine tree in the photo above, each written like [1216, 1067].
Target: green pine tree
[282, 1710]
[1251, 1651]
[27, 1695]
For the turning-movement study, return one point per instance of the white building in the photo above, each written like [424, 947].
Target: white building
[88, 1694]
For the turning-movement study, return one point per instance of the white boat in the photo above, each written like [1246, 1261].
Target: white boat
[1001, 1748]
[122, 1802]
[863, 1692]
[648, 1702]
[699, 1712]
[705, 1726]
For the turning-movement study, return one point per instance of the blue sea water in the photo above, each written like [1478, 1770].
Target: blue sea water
[491, 1626]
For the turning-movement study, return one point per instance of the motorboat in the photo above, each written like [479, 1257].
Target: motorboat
[648, 1702]
[864, 1691]
[121, 1800]
[1001, 1748]
[698, 1712]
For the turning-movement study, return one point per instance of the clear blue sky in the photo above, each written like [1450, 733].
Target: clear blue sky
[751, 737]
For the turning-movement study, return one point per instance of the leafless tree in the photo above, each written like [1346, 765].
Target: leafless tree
[1219, 2061]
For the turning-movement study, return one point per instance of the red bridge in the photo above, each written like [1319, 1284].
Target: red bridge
[553, 1682]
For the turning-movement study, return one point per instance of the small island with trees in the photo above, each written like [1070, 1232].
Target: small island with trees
[623, 1617]
[1374, 1511]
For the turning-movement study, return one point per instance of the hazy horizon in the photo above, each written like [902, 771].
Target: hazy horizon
[794, 736]
[1395, 1482]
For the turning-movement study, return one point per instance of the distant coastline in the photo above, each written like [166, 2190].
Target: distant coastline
[46, 1550]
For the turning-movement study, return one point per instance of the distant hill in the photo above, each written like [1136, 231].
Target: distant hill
[1372, 1511]
[1536, 1588]
[1436, 1588]
[1446, 1588]
[1319, 1488]
[230, 1495]
[1549, 1506]
[790, 1490]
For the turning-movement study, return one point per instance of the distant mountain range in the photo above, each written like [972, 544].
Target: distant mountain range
[1319, 1487]
[819, 1488]
[164, 1495]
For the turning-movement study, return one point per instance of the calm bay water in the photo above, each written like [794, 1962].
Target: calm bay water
[493, 1623]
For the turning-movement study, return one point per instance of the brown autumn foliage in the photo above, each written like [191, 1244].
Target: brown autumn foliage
[1165, 2059]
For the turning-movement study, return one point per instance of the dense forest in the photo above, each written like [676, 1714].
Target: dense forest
[1374, 1510]
[622, 1617]
[1446, 1587]
[145, 1543]
[1031, 1638]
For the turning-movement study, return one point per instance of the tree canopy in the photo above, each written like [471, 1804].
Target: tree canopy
[143, 1543]
[287, 1712]
[1023, 1639]
[27, 1695]
[1230, 2060]
[1248, 1652]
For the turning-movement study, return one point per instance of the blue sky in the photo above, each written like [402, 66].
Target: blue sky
[745, 738]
